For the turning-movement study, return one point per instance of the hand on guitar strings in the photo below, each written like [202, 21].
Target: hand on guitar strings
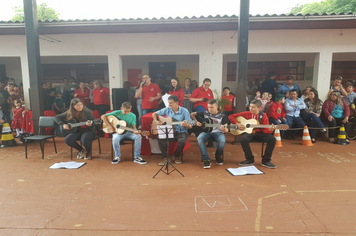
[240, 127]
[198, 124]
[66, 127]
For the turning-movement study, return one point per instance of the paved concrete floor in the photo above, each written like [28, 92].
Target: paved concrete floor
[312, 192]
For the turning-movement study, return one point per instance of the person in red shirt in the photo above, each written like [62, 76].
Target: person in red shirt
[229, 107]
[276, 113]
[261, 135]
[150, 94]
[83, 94]
[201, 96]
[176, 90]
[101, 98]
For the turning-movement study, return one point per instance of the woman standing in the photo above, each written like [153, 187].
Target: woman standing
[336, 112]
[312, 113]
[176, 90]
[83, 94]
[188, 90]
[101, 98]
[86, 134]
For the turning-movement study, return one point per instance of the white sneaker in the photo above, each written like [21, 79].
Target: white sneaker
[139, 160]
[80, 154]
[115, 160]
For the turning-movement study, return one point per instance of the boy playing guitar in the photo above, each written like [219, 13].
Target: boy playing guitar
[262, 135]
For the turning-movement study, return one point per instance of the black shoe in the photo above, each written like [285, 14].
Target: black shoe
[313, 140]
[219, 160]
[246, 163]
[269, 165]
[207, 164]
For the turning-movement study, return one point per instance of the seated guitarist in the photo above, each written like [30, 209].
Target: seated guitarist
[177, 113]
[217, 134]
[262, 135]
[86, 134]
[126, 115]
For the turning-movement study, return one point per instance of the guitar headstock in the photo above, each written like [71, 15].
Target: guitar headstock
[145, 133]
[281, 127]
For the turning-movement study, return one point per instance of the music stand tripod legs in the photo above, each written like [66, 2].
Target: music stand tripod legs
[165, 166]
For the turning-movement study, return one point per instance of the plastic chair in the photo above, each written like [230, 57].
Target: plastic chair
[132, 151]
[44, 122]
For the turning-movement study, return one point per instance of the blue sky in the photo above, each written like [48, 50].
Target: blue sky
[104, 9]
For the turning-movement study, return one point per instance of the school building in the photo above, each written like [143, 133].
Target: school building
[312, 48]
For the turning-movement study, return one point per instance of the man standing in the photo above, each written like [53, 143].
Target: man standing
[292, 106]
[5, 101]
[91, 89]
[217, 134]
[130, 118]
[201, 96]
[150, 94]
[270, 85]
[288, 86]
[260, 135]
[177, 113]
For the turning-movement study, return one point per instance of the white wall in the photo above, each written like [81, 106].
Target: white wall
[13, 68]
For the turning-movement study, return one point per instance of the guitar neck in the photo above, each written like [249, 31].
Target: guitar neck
[174, 123]
[129, 129]
[78, 124]
[260, 126]
[218, 126]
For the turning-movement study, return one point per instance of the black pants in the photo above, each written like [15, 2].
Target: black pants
[337, 122]
[261, 137]
[180, 137]
[86, 138]
[102, 109]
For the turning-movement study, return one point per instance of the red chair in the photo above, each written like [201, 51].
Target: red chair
[96, 114]
[27, 124]
[51, 113]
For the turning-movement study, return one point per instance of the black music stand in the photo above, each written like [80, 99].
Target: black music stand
[166, 131]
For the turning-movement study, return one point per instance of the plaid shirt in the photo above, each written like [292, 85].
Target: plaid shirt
[311, 107]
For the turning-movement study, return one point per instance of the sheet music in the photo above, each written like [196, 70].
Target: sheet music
[67, 165]
[162, 131]
[165, 99]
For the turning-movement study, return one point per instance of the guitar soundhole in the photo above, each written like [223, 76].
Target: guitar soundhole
[248, 125]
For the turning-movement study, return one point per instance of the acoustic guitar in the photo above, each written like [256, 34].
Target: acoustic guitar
[121, 127]
[252, 124]
[168, 121]
[72, 124]
[207, 126]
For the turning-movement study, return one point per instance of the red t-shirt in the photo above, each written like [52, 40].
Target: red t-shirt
[147, 92]
[230, 98]
[248, 115]
[201, 93]
[276, 110]
[179, 94]
[82, 95]
[101, 96]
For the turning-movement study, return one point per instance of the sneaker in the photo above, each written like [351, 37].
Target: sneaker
[246, 163]
[163, 162]
[115, 160]
[80, 154]
[87, 156]
[269, 165]
[139, 160]
[207, 164]
[219, 160]
[177, 160]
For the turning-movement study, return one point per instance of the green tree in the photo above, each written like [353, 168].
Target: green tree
[43, 13]
[326, 6]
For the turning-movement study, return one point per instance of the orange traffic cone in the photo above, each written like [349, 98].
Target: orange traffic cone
[277, 135]
[306, 141]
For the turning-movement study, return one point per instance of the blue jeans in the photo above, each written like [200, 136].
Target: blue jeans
[145, 111]
[218, 137]
[116, 138]
[200, 108]
[297, 120]
[139, 111]
[275, 122]
[315, 122]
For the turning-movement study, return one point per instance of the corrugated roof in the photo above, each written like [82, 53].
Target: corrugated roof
[190, 18]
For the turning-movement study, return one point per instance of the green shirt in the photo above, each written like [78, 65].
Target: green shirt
[129, 118]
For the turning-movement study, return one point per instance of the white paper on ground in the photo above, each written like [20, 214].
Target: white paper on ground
[246, 170]
[67, 165]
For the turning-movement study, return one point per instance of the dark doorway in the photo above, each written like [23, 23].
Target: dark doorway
[162, 73]
[2, 71]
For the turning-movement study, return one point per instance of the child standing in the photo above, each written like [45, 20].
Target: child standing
[229, 107]
[59, 103]
[350, 99]
[17, 117]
